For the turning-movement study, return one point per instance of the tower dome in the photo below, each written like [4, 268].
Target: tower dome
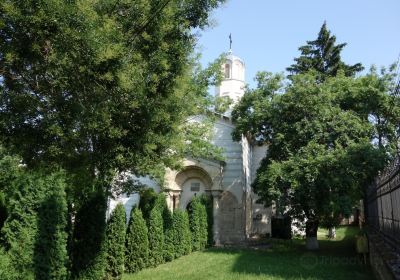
[233, 83]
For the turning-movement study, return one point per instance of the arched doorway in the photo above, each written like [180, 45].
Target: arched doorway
[230, 219]
[193, 181]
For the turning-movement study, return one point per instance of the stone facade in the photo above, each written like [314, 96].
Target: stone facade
[237, 215]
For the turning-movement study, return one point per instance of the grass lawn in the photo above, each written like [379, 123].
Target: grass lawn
[285, 260]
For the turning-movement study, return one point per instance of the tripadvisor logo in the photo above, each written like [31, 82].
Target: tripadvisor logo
[309, 260]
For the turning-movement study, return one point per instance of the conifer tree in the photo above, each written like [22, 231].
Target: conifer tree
[137, 243]
[115, 243]
[195, 220]
[203, 226]
[323, 56]
[34, 231]
[156, 237]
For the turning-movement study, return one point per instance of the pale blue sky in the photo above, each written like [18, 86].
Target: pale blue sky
[266, 33]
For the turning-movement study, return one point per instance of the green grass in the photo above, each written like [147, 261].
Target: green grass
[336, 259]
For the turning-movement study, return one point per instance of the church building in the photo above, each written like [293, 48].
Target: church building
[237, 215]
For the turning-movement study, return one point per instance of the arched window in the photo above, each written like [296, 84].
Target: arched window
[227, 71]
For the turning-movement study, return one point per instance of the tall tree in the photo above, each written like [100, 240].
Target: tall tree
[321, 150]
[323, 56]
[100, 87]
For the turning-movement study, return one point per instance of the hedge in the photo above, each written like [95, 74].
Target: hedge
[88, 246]
[115, 243]
[156, 237]
[34, 232]
[137, 243]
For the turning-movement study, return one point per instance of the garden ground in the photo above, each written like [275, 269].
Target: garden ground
[336, 259]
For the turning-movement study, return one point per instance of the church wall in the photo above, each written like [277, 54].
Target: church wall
[261, 222]
[233, 170]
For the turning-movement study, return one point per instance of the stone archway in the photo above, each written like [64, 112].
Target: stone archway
[230, 219]
[192, 181]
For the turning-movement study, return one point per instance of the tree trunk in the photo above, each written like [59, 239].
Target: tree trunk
[332, 233]
[311, 235]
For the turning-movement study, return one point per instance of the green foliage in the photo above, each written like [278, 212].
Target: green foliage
[34, 232]
[323, 147]
[147, 202]
[182, 235]
[137, 243]
[7, 271]
[115, 243]
[203, 227]
[198, 224]
[156, 237]
[208, 203]
[101, 86]
[88, 248]
[323, 56]
[3, 209]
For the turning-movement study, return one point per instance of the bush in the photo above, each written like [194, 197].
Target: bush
[137, 243]
[3, 210]
[195, 211]
[34, 232]
[147, 202]
[88, 247]
[115, 243]
[7, 272]
[208, 203]
[181, 233]
[203, 227]
[156, 237]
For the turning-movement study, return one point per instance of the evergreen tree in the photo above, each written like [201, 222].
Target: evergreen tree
[88, 247]
[323, 56]
[203, 226]
[34, 232]
[181, 233]
[156, 237]
[186, 234]
[137, 243]
[208, 203]
[115, 243]
[195, 211]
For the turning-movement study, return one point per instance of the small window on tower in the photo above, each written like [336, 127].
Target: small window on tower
[227, 71]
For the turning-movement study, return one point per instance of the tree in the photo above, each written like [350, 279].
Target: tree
[137, 243]
[195, 219]
[35, 239]
[115, 243]
[323, 56]
[320, 153]
[88, 250]
[156, 237]
[100, 88]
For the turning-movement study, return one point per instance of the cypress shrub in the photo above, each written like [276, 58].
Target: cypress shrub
[115, 243]
[147, 202]
[186, 234]
[181, 233]
[208, 203]
[156, 237]
[34, 232]
[88, 247]
[3, 209]
[194, 221]
[137, 243]
[203, 226]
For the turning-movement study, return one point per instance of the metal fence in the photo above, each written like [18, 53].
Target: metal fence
[383, 204]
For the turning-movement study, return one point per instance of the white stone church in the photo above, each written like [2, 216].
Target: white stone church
[237, 215]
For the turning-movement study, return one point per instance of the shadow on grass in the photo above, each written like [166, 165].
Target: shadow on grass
[336, 259]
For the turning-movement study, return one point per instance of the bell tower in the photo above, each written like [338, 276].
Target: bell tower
[233, 83]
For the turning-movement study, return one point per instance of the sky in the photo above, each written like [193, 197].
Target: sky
[266, 34]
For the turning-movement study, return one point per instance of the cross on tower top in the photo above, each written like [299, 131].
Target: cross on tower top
[230, 41]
